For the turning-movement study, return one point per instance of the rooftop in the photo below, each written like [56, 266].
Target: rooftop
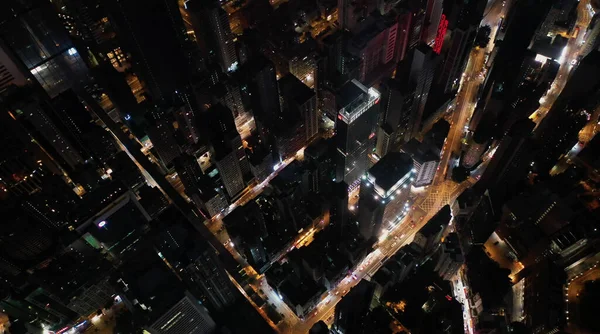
[388, 171]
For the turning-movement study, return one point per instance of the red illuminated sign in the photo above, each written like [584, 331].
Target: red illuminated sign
[441, 33]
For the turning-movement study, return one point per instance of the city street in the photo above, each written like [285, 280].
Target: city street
[568, 58]
[573, 289]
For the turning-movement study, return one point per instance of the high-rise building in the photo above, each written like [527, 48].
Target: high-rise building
[32, 32]
[433, 13]
[375, 45]
[205, 272]
[319, 159]
[163, 306]
[384, 194]
[397, 101]
[186, 316]
[10, 73]
[41, 118]
[155, 36]
[264, 94]
[351, 310]
[450, 258]
[212, 29]
[350, 13]
[229, 154]
[356, 124]
[299, 105]
[189, 172]
[510, 162]
[418, 70]
[161, 134]
[185, 118]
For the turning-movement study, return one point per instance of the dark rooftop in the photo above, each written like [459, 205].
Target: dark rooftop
[292, 88]
[350, 92]
[391, 168]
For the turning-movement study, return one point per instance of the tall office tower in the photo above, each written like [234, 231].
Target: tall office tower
[35, 36]
[591, 37]
[10, 73]
[229, 154]
[301, 101]
[463, 22]
[353, 308]
[206, 272]
[375, 45]
[339, 210]
[386, 6]
[510, 162]
[304, 67]
[319, 159]
[451, 257]
[162, 137]
[19, 157]
[332, 64]
[384, 194]
[76, 122]
[185, 118]
[24, 241]
[212, 29]
[264, 90]
[154, 34]
[555, 19]
[404, 24]
[558, 131]
[416, 14]
[227, 92]
[433, 13]
[187, 316]
[350, 13]
[418, 70]
[189, 172]
[36, 114]
[397, 103]
[164, 306]
[356, 124]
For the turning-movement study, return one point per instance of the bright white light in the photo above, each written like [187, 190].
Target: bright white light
[375, 197]
[563, 55]
[72, 51]
[541, 58]
[102, 223]
[233, 67]
[352, 208]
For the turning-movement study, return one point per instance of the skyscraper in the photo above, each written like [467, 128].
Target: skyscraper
[375, 45]
[384, 193]
[264, 91]
[10, 73]
[229, 154]
[38, 115]
[205, 272]
[356, 122]
[154, 34]
[397, 101]
[300, 117]
[163, 139]
[211, 23]
[32, 31]
[186, 316]
[418, 69]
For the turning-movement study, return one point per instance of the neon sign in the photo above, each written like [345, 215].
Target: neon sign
[441, 33]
